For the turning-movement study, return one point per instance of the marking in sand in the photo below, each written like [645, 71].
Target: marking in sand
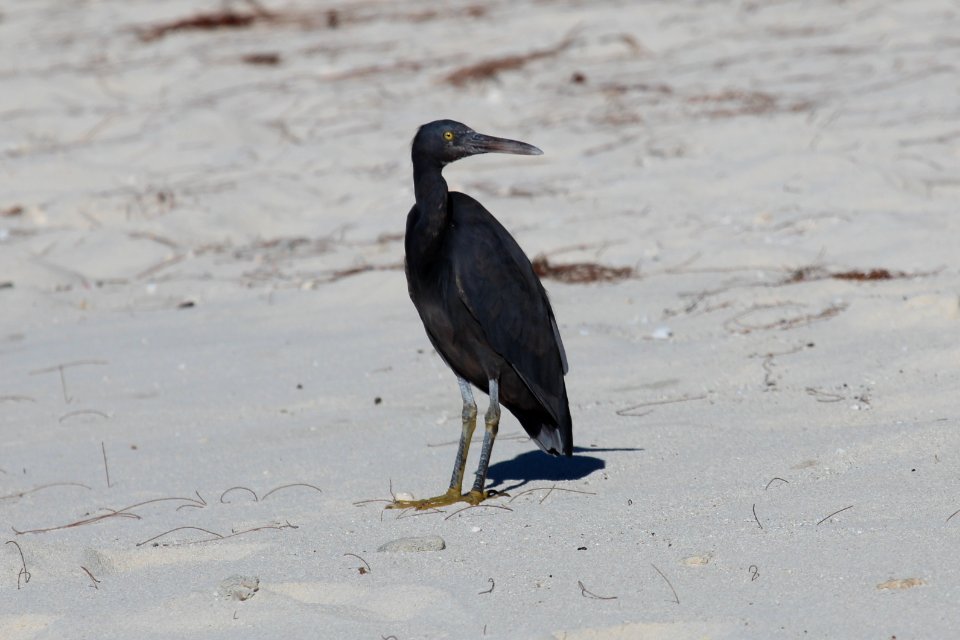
[626, 412]
[63, 376]
[290, 486]
[113, 513]
[251, 491]
[106, 468]
[199, 503]
[833, 514]
[549, 491]
[92, 577]
[269, 493]
[775, 478]
[735, 324]
[23, 573]
[83, 412]
[216, 536]
[676, 598]
[362, 570]
[20, 494]
[586, 593]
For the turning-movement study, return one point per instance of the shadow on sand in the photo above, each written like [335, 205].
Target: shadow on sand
[532, 466]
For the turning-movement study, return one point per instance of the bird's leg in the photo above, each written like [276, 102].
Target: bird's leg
[492, 423]
[453, 494]
[469, 416]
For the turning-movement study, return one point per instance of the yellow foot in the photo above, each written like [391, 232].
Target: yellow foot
[452, 496]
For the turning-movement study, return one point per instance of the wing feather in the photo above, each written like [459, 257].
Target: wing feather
[497, 284]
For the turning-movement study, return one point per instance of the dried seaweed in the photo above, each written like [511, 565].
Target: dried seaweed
[808, 274]
[873, 274]
[226, 19]
[737, 325]
[491, 67]
[734, 102]
[305, 19]
[580, 272]
[269, 59]
[353, 271]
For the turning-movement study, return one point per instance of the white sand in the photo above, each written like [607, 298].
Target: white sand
[714, 148]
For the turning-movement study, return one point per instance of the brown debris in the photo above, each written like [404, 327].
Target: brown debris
[471, 11]
[489, 68]
[10, 212]
[263, 59]
[758, 100]
[905, 583]
[283, 247]
[204, 22]
[873, 274]
[580, 272]
[336, 18]
[375, 69]
[340, 274]
[734, 102]
[642, 87]
[307, 19]
[736, 324]
[807, 274]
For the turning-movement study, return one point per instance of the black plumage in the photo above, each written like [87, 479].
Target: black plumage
[483, 307]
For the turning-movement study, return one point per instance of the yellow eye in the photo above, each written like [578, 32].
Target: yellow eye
[448, 135]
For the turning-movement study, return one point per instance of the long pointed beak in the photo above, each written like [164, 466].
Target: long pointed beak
[480, 143]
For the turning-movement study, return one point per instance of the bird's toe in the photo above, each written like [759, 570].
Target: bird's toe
[452, 496]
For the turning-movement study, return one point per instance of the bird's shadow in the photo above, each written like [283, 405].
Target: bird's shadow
[537, 465]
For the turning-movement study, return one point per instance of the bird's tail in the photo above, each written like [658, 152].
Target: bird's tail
[555, 439]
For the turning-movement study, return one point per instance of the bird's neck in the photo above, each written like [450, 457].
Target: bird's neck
[429, 187]
[431, 192]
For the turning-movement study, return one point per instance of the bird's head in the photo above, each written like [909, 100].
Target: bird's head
[444, 141]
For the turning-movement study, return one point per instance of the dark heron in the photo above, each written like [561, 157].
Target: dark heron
[483, 306]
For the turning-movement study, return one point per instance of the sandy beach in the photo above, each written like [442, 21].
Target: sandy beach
[212, 377]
